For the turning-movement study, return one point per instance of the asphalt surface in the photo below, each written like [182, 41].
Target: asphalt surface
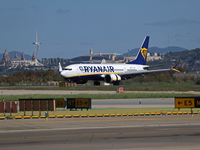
[133, 103]
[105, 103]
[108, 103]
[26, 92]
[177, 132]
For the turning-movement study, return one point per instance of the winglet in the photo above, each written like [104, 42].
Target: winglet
[142, 53]
[60, 67]
[174, 67]
[176, 70]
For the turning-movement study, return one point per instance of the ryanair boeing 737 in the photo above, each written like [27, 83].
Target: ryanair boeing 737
[110, 73]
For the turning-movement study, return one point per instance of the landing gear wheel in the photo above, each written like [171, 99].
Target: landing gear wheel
[96, 83]
[115, 83]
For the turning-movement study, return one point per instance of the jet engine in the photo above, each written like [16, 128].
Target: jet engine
[109, 78]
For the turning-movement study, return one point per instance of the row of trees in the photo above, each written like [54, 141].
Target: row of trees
[167, 77]
[39, 77]
[30, 76]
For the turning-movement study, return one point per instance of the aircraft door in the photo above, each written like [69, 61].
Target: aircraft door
[78, 71]
[125, 69]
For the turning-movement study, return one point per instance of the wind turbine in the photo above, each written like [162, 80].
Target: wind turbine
[37, 45]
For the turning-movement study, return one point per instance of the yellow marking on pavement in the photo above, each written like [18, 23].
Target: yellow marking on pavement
[99, 120]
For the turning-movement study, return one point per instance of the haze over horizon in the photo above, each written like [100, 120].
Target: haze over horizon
[69, 28]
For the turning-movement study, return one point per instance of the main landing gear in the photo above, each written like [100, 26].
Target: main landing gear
[96, 83]
[115, 83]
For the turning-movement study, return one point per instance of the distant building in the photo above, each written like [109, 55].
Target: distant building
[95, 58]
[54, 61]
[154, 56]
[34, 57]
[111, 58]
[23, 57]
[19, 61]
[150, 57]
[6, 59]
[91, 51]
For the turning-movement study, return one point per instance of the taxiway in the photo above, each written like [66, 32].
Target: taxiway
[176, 132]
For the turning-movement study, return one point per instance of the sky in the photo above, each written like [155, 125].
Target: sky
[70, 28]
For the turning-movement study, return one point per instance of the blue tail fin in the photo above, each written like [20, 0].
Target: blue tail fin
[142, 54]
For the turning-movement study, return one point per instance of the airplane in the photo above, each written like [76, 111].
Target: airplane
[111, 73]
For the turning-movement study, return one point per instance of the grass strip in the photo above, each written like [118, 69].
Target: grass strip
[98, 96]
[135, 86]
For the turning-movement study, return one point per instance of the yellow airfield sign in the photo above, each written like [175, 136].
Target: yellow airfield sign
[60, 103]
[184, 102]
[79, 103]
[187, 102]
[82, 103]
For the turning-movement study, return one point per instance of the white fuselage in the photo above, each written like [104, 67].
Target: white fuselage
[92, 71]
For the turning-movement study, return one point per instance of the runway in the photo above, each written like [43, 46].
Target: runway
[153, 132]
[63, 92]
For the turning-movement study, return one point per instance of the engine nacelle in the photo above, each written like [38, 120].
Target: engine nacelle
[109, 78]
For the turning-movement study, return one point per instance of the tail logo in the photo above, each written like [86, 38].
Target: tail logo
[144, 52]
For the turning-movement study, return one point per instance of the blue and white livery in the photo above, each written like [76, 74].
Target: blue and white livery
[110, 73]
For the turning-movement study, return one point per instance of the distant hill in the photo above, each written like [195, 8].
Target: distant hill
[189, 59]
[12, 54]
[134, 52]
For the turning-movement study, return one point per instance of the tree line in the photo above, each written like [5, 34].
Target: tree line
[38, 77]
[167, 77]
[30, 76]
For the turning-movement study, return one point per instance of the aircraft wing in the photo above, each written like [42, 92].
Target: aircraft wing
[143, 72]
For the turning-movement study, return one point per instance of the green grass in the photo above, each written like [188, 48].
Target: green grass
[145, 86]
[136, 86]
[97, 96]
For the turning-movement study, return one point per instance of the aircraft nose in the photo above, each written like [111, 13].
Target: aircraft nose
[62, 73]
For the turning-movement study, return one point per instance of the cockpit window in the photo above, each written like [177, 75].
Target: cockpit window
[68, 69]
